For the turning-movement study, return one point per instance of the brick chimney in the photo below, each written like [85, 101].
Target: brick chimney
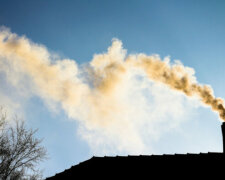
[223, 134]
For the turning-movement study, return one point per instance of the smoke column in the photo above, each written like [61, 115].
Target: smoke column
[107, 70]
[178, 78]
[91, 94]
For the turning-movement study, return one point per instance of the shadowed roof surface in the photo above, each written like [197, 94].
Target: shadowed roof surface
[143, 165]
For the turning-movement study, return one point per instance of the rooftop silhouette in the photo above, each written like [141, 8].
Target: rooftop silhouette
[171, 165]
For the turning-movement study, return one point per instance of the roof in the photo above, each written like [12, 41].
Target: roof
[145, 165]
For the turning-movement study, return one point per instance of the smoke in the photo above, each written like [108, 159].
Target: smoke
[179, 78]
[108, 95]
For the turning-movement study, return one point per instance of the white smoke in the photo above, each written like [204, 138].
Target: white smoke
[121, 102]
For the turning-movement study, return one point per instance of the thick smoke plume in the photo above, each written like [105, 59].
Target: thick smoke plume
[92, 94]
[178, 78]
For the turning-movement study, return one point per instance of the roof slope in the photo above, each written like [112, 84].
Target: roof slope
[160, 165]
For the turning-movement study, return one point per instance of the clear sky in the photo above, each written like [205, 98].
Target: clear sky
[191, 31]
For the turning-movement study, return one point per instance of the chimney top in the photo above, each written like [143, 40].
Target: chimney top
[223, 135]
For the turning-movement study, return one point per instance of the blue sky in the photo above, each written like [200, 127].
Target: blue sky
[191, 31]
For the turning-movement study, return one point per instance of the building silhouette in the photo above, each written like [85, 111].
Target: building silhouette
[179, 166]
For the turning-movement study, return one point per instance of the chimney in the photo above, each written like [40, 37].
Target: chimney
[223, 134]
